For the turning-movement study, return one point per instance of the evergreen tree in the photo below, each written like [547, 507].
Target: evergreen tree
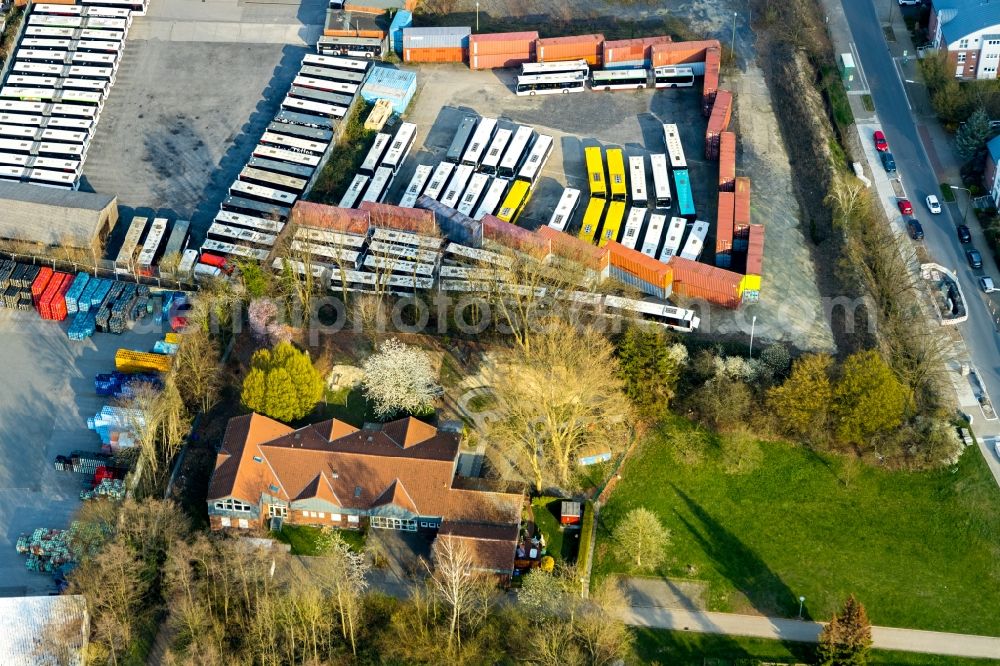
[869, 398]
[972, 136]
[650, 367]
[282, 383]
[847, 639]
[802, 404]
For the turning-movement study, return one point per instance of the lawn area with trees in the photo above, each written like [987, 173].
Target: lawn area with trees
[918, 548]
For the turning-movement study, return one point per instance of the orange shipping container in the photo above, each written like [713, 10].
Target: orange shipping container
[514, 237]
[453, 54]
[724, 228]
[656, 274]
[321, 216]
[499, 60]
[387, 216]
[741, 214]
[713, 60]
[572, 248]
[678, 53]
[718, 123]
[727, 162]
[755, 250]
[498, 43]
[579, 47]
[715, 285]
[631, 49]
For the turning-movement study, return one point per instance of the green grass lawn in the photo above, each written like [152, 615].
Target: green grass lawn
[679, 648]
[919, 550]
[560, 543]
[302, 539]
[348, 405]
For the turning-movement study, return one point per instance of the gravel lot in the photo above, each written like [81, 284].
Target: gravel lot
[49, 395]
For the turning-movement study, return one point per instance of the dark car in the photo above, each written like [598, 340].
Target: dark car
[916, 231]
[964, 236]
[974, 258]
[888, 162]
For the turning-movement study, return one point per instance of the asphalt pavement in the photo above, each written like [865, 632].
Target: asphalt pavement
[887, 74]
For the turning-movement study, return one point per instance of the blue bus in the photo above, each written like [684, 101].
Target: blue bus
[685, 201]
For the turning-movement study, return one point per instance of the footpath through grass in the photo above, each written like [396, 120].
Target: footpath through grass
[920, 550]
[680, 648]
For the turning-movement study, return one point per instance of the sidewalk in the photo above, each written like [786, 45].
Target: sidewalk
[883, 638]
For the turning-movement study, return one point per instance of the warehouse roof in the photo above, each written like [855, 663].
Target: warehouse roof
[960, 18]
[52, 216]
[43, 630]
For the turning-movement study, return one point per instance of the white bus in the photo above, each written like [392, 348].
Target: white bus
[675, 151]
[477, 146]
[569, 66]
[495, 151]
[275, 180]
[294, 143]
[95, 60]
[32, 81]
[46, 43]
[75, 111]
[53, 178]
[661, 181]
[374, 156]
[565, 209]
[379, 185]
[619, 79]
[332, 74]
[336, 62]
[325, 85]
[637, 179]
[227, 234]
[67, 136]
[675, 235]
[14, 159]
[151, 246]
[51, 95]
[400, 147]
[57, 164]
[220, 247]
[38, 68]
[232, 219]
[491, 200]
[516, 149]
[134, 6]
[536, 160]
[354, 191]
[438, 180]
[309, 106]
[651, 241]
[40, 31]
[673, 77]
[474, 192]
[550, 84]
[633, 225]
[255, 192]
[273, 153]
[99, 46]
[102, 87]
[456, 186]
[416, 186]
[406, 238]
[42, 55]
[12, 174]
[102, 34]
[696, 241]
[106, 74]
[18, 132]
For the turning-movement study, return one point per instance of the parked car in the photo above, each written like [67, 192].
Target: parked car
[964, 236]
[888, 163]
[986, 284]
[933, 205]
[881, 145]
[974, 258]
[909, 3]
[905, 207]
[916, 230]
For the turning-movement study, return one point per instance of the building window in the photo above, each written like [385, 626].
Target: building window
[244, 523]
[963, 43]
[226, 522]
[961, 58]
[335, 516]
[353, 519]
[232, 505]
[277, 511]
[322, 514]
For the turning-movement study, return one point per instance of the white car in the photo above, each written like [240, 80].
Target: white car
[986, 284]
[933, 205]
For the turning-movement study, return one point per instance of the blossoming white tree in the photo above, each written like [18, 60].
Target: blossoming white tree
[399, 378]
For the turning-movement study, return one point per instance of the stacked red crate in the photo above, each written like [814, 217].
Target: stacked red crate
[40, 283]
[58, 304]
[44, 303]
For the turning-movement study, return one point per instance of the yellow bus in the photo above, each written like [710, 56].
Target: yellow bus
[616, 174]
[515, 201]
[595, 172]
[612, 223]
[592, 219]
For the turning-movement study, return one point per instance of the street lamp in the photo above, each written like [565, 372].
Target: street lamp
[732, 47]
[477, 15]
[753, 325]
[969, 192]
[802, 600]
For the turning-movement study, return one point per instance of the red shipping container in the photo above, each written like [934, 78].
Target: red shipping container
[40, 283]
[514, 237]
[570, 247]
[755, 250]
[713, 60]
[715, 285]
[417, 220]
[727, 162]
[724, 225]
[453, 54]
[631, 49]
[579, 47]
[741, 214]
[680, 53]
[321, 216]
[718, 123]
[499, 60]
[638, 264]
[58, 304]
[497, 43]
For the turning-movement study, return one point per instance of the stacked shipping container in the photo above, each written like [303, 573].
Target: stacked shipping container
[713, 60]
[635, 268]
[724, 230]
[663, 54]
[727, 162]
[402, 19]
[718, 122]
[741, 214]
[436, 44]
[578, 47]
[693, 279]
[626, 53]
[501, 49]
[755, 264]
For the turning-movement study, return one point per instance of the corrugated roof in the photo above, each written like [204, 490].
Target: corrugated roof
[52, 216]
[388, 216]
[960, 18]
[333, 218]
[25, 622]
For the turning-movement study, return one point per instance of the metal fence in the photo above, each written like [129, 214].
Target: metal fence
[104, 269]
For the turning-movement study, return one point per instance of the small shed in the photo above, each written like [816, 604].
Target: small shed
[396, 85]
[570, 513]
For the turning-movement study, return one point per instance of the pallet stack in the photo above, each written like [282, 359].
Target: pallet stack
[128, 360]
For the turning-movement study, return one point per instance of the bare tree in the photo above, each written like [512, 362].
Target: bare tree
[348, 571]
[456, 582]
[195, 369]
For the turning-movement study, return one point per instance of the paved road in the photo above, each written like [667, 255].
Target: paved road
[885, 638]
